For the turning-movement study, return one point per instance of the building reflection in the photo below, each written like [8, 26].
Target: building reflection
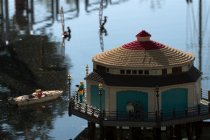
[27, 19]
[72, 9]
[43, 62]
[94, 6]
[34, 122]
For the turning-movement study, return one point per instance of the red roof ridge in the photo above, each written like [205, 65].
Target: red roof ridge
[147, 45]
[143, 33]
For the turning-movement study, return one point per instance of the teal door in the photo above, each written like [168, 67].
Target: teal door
[137, 98]
[94, 91]
[176, 99]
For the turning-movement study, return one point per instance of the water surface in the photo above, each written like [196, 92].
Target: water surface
[36, 56]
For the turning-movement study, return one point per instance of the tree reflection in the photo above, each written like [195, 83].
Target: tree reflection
[36, 65]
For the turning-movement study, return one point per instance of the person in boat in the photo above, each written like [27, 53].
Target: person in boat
[81, 91]
[39, 93]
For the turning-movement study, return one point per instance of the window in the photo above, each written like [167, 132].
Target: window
[107, 69]
[176, 70]
[122, 71]
[128, 71]
[164, 71]
[146, 72]
[100, 68]
[134, 71]
[140, 71]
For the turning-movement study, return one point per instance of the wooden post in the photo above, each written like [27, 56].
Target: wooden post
[174, 113]
[101, 132]
[91, 130]
[158, 133]
[120, 134]
[198, 129]
[110, 133]
[199, 110]
[178, 132]
[70, 108]
[116, 115]
[186, 112]
[85, 108]
[209, 95]
[69, 95]
[79, 107]
[69, 84]
[209, 107]
[92, 110]
[156, 116]
[171, 131]
[189, 131]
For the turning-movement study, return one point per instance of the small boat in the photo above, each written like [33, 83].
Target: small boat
[38, 96]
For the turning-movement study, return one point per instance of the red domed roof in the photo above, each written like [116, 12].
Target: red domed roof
[146, 45]
[143, 42]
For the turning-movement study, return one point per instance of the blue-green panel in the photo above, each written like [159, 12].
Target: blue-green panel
[174, 99]
[94, 91]
[136, 97]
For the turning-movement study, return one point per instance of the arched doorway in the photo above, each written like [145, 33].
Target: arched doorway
[174, 100]
[127, 99]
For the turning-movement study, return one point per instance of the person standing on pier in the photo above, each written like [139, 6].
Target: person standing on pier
[81, 92]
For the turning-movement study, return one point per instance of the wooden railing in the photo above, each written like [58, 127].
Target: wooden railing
[84, 108]
[200, 110]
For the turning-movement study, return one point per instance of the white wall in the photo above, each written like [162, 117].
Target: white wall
[111, 101]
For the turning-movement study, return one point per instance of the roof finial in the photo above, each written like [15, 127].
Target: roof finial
[143, 36]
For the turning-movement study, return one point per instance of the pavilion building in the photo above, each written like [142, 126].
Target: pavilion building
[141, 74]
[143, 83]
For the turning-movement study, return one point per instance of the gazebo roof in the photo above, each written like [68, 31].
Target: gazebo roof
[143, 53]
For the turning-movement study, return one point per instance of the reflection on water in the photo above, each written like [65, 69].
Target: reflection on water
[33, 53]
[197, 38]
[32, 122]
[29, 66]
[31, 58]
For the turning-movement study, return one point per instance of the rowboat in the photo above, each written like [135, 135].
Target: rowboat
[37, 97]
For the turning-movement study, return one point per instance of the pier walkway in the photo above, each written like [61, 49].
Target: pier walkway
[148, 119]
